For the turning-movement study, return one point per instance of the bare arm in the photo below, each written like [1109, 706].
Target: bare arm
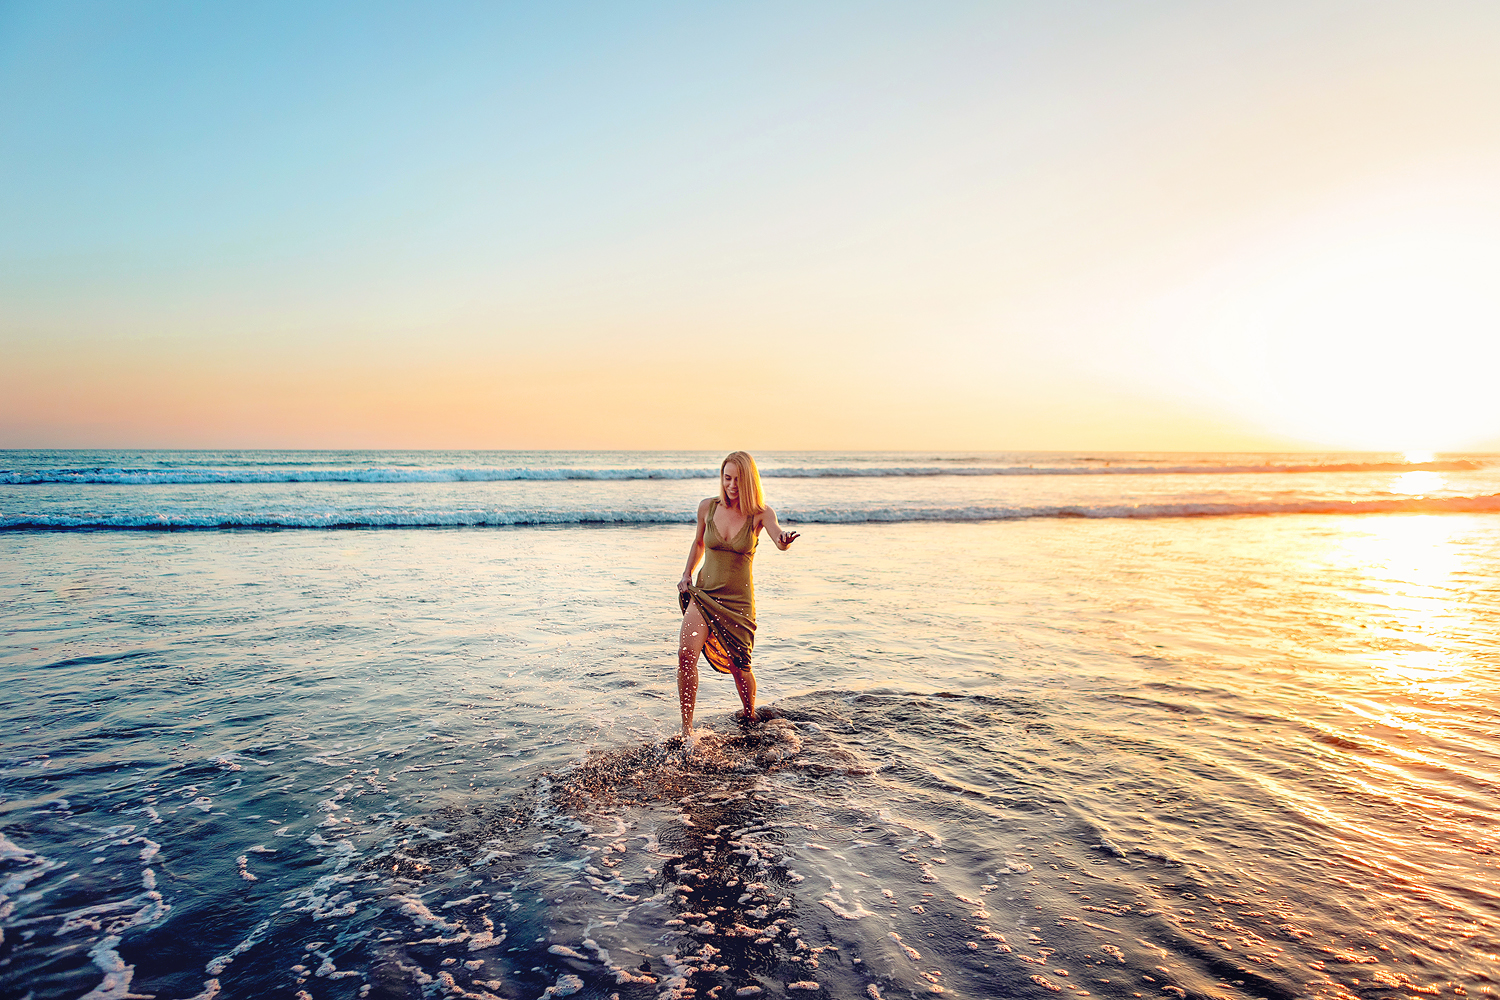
[782, 539]
[695, 551]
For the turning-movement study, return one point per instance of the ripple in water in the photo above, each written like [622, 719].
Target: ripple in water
[210, 806]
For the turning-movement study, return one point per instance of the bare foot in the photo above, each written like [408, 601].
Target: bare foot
[759, 715]
[692, 741]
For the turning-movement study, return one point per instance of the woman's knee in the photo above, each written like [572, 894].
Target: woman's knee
[694, 634]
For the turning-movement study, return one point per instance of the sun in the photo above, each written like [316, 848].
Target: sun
[1382, 346]
[1375, 330]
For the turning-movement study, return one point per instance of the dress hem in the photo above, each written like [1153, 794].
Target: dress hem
[716, 635]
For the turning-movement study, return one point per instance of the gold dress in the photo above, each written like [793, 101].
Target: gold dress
[725, 593]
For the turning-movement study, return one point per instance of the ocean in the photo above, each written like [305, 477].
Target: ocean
[397, 724]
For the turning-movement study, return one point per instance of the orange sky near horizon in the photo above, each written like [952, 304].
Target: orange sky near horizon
[537, 403]
[1066, 226]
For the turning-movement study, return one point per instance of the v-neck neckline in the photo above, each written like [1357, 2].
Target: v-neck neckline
[719, 531]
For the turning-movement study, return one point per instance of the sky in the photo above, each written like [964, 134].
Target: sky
[1112, 225]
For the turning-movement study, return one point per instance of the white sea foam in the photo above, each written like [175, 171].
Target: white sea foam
[117, 975]
[216, 966]
[203, 476]
[324, 520]
[35, 867]
[210, 475]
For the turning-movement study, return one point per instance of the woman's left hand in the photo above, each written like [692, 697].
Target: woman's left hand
[767, 520]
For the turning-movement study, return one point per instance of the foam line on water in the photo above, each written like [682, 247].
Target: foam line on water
[219, 475]
[325, 520]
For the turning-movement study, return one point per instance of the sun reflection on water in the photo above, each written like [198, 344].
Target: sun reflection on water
[1418, 483]
[1417, 616]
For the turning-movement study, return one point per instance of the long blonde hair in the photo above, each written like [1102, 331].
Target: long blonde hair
[752, 499]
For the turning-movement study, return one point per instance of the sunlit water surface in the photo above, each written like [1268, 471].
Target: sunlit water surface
[1246, 756]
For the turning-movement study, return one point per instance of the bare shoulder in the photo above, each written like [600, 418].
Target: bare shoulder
[703, 506]
[766, 515]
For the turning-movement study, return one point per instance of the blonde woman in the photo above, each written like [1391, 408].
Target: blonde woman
[718, 617]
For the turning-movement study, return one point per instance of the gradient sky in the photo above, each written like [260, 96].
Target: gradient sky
[1099, 225]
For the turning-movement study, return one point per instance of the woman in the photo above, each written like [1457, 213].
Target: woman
[719, 611]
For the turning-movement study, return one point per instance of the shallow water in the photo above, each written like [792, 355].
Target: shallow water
[1244, 756]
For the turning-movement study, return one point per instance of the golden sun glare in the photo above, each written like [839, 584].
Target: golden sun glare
[1382, 350]
[1375, 329]
[1416, 615]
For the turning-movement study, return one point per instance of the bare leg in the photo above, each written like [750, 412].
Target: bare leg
[694, 635]
[744, 684]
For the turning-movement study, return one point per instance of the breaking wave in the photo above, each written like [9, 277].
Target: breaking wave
[345, 519]
[227, 476]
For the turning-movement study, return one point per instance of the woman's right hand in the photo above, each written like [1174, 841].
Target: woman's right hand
[682, 584]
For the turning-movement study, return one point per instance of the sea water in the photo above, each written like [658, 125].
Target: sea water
[1106, 725]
